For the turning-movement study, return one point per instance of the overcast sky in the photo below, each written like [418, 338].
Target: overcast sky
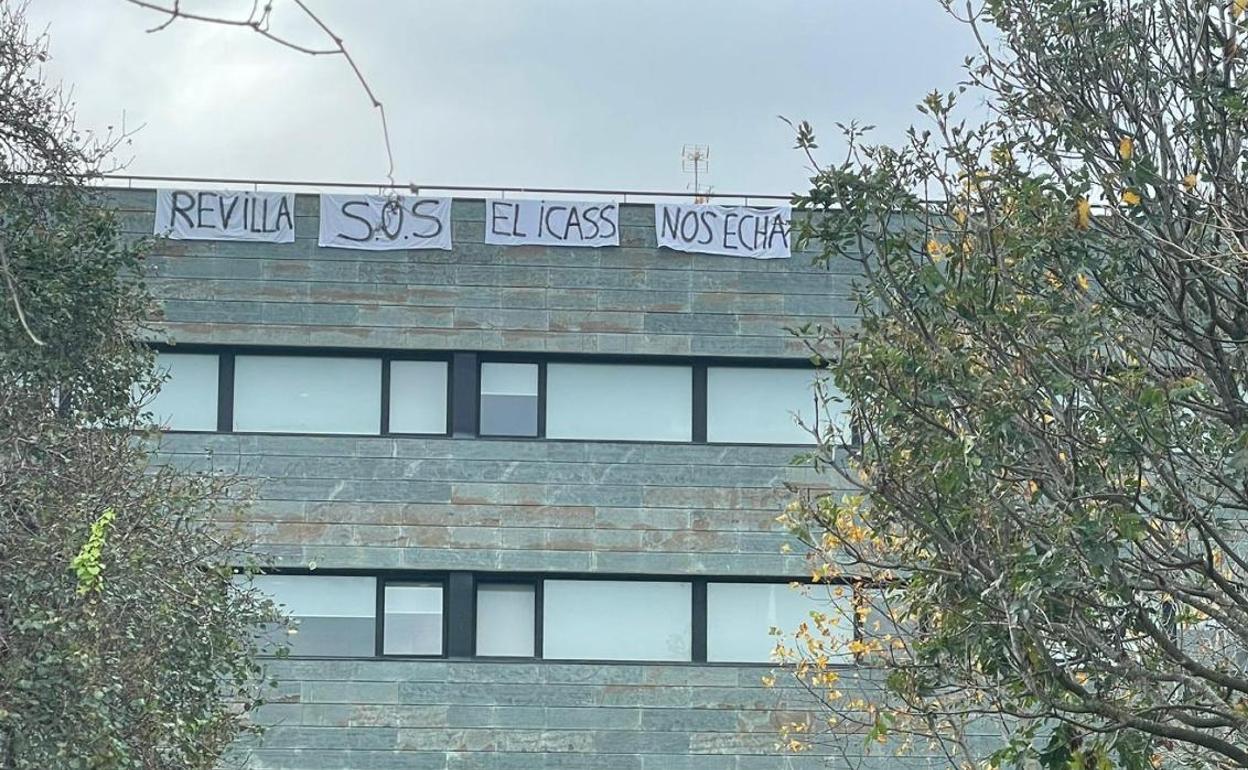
[540, 93]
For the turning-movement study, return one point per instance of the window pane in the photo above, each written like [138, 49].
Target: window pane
[307, 394]
[188, 398]
[509, 399]
[506, 615]
[413, 619]
[740, 616]
[616, 620]
[336, 615]
[757, 405]
[418, 397]
[624, 401]
[883, 614]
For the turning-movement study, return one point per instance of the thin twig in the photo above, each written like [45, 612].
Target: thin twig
[17, 302]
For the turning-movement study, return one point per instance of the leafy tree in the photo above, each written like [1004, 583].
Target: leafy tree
[1049, 384]
[124, 641]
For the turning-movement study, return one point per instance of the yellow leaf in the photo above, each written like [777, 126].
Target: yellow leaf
[1126, 147]
[1131, 197]
[1082, 281]
[935, 250]
[1083, 214]
[1189, 181]
[1033, 487]
[1238, 7]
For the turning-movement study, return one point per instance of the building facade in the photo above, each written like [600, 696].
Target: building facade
[522, 500]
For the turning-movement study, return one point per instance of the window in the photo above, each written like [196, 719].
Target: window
[342, 394]
[418, 397]
[187, 399]
[557, 617]
[883, 614]
[758, 405]
[509, 399]
[336, 616]
[506, 615]
[740, 616]
[616, 620]
[307, 394]
[619, 401]
[413, 620]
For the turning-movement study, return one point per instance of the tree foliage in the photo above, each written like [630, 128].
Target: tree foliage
[1049, 383]
[124, 640]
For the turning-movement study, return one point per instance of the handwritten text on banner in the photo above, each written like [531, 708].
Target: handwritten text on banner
[552, 223]
[734, 231]
[380, 223]
[204, 215]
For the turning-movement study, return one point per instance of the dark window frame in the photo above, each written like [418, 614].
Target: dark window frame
[432, 578]
[695, 620]
[225, 382]
[852, 587]
[276, 352]
[459, 610]
[225, 392]
[378, 579]
[674, 362]
[387, 394]
[463, 402]
[706, 408]
[540, 363]
[503, 579]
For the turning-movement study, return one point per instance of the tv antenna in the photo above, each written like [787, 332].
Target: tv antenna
[695, 159]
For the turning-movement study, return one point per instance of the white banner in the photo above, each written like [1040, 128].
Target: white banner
[552, 223]
[219, 215]
[734, 231]
[380, 222]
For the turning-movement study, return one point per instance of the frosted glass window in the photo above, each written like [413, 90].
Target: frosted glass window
[336, 616]
[616, 620]
[758, 405]
[506, 616]
[188, 397]
[740, 616]
[619, 401]
[413, 619]
[418, 397]
[883, 614]
[508, 399]
[307, 394]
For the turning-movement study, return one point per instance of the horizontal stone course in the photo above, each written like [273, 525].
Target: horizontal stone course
[497, 713]
[441, 503]
[241, 332]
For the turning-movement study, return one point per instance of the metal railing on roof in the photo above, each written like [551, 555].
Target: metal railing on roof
[481, 191]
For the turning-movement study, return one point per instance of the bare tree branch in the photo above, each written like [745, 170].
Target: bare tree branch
[11, 284]
[259, 21]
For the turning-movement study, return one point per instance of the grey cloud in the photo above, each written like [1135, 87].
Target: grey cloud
[540, 93]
